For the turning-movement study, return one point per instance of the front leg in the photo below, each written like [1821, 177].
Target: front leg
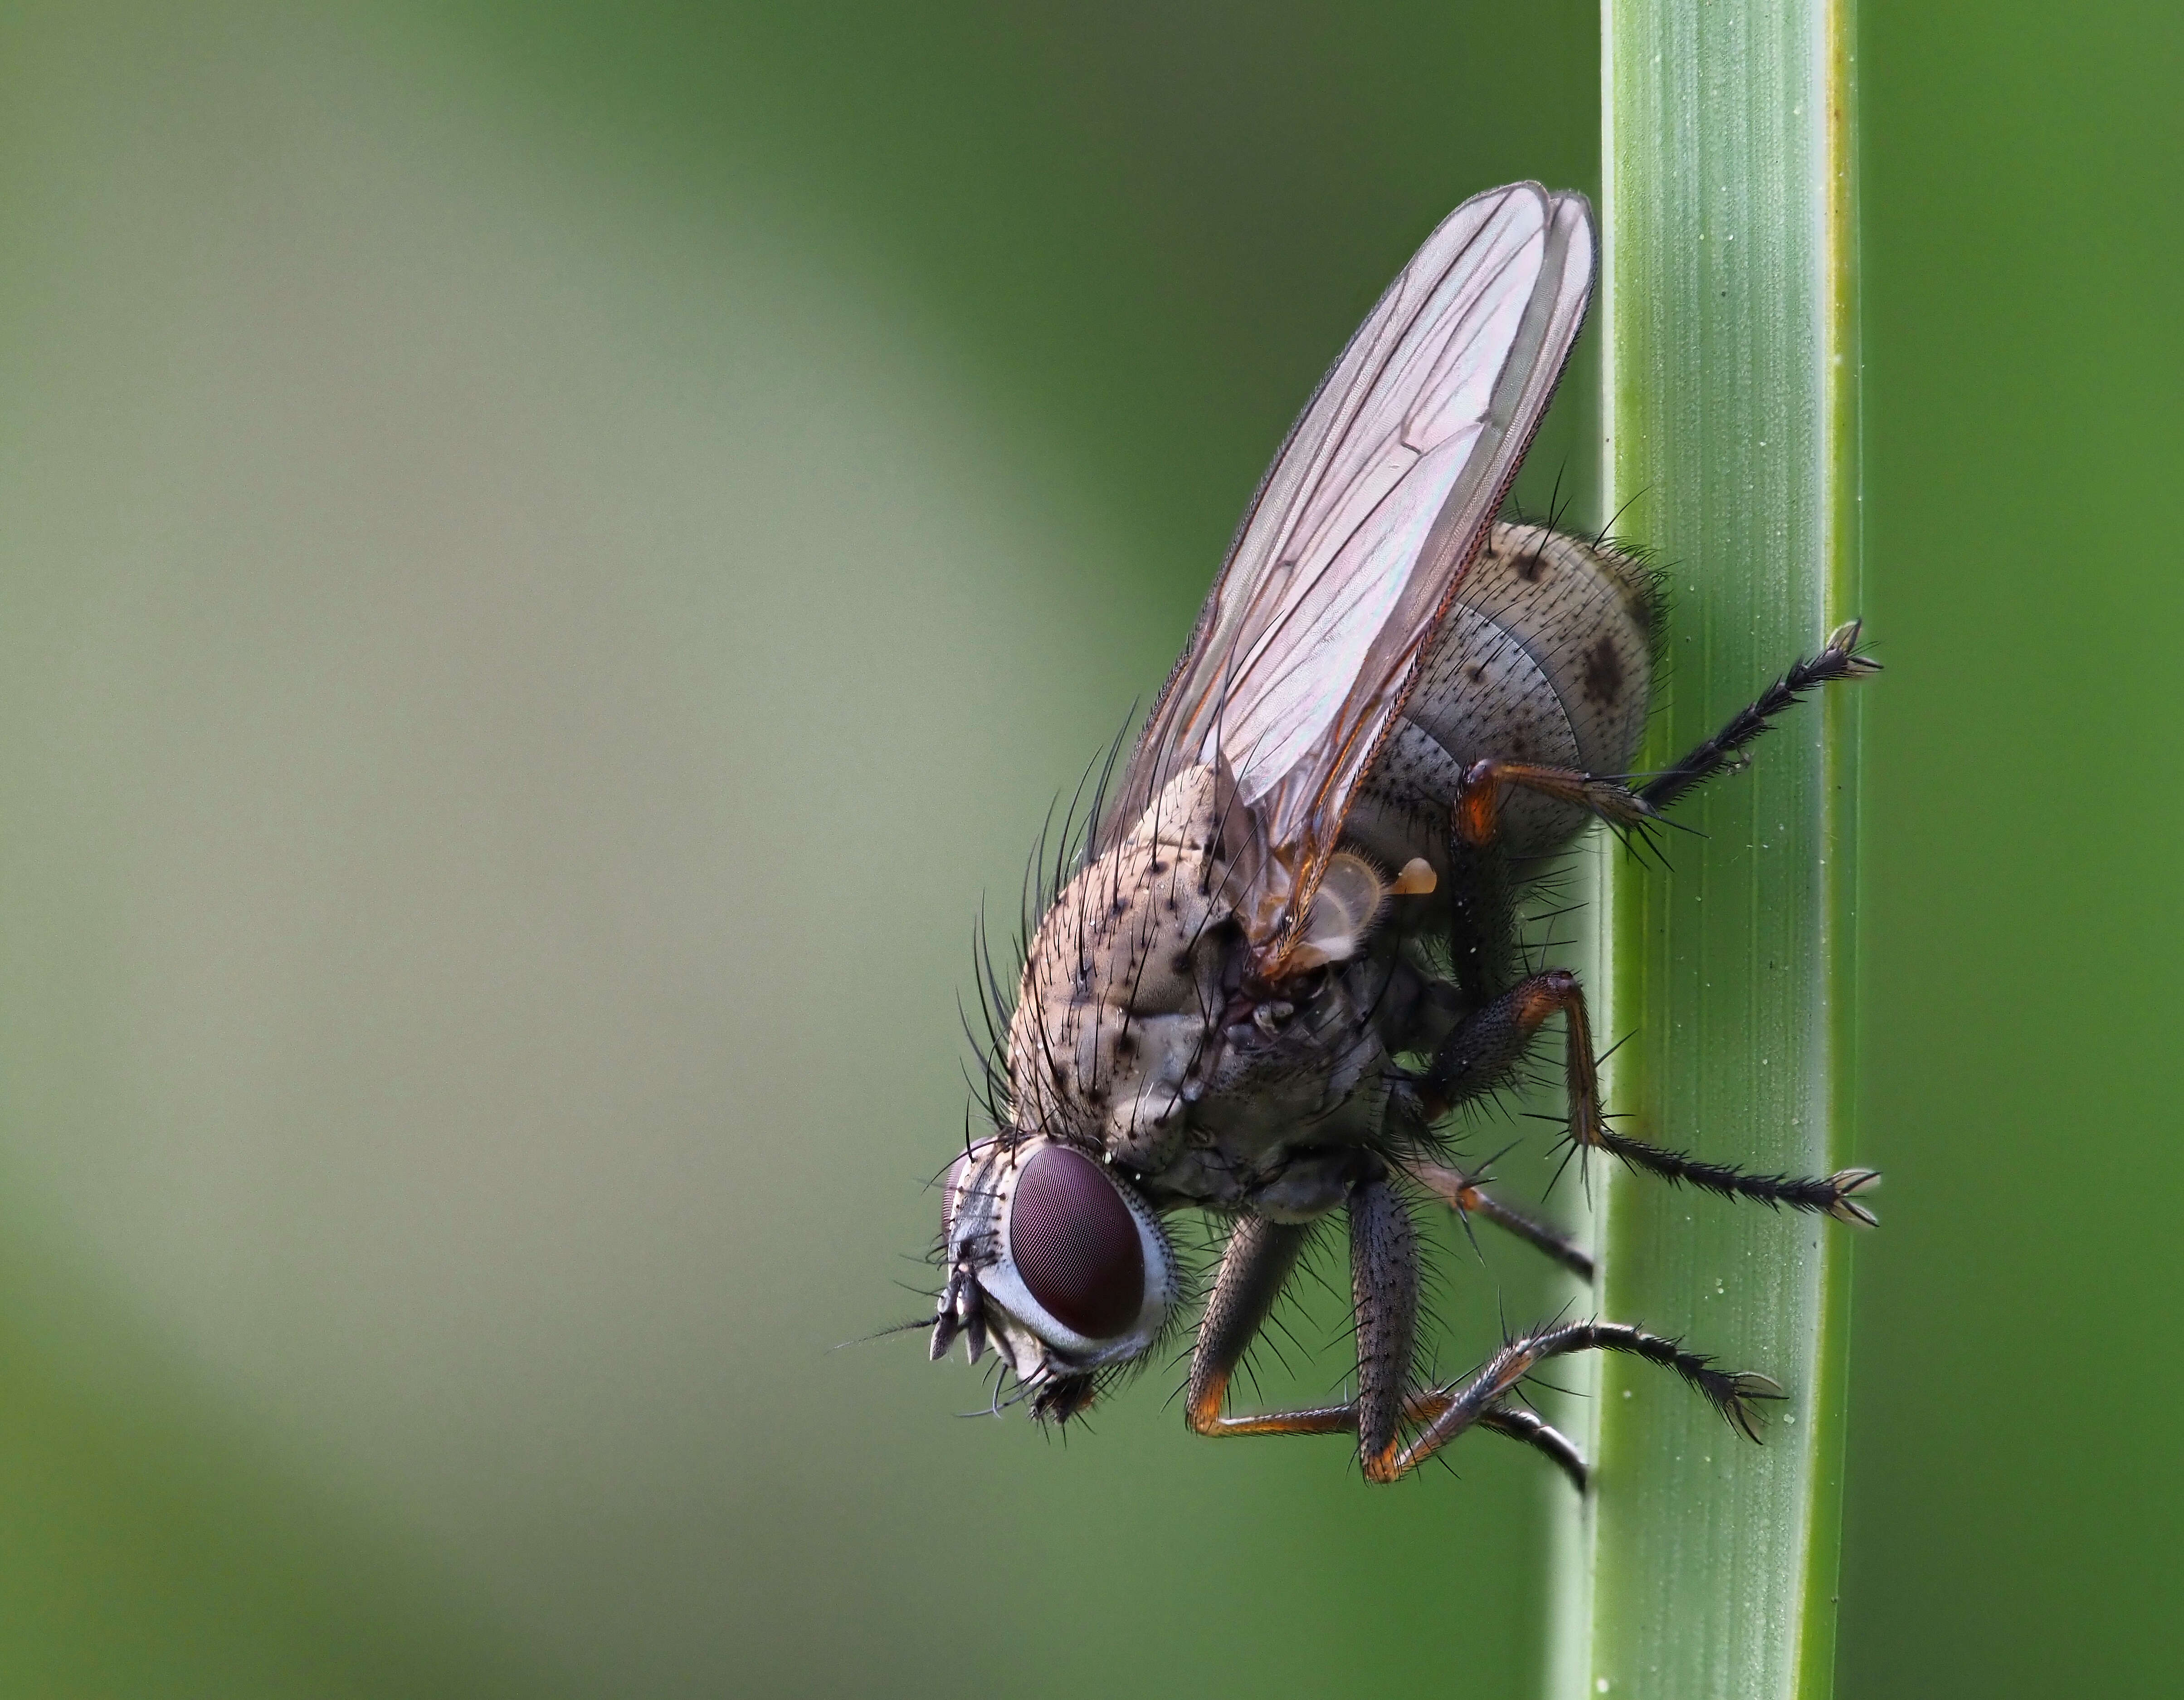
[1384, 1293]
[1383, 1263]
[1254, 1266]
[1384, 1275]
[1258, 1263]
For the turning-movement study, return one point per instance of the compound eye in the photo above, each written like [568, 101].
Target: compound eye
[1076, 1244]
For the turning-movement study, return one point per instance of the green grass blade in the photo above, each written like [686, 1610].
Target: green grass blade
[1705, 1566]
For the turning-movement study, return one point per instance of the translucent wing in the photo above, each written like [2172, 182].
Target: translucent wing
[1350, 551]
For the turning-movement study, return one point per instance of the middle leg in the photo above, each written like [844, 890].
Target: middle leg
[1482, 1053]
[1465, 1195]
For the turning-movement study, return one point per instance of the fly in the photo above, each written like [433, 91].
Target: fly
[1394, 708]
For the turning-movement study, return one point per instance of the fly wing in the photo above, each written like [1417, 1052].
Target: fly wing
[1349, 552]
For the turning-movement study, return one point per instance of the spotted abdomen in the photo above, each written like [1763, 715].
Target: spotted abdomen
[1546, 657]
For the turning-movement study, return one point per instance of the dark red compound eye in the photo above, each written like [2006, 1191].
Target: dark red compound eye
[1076, 1244]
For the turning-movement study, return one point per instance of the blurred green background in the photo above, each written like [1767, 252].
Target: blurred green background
[552, 553]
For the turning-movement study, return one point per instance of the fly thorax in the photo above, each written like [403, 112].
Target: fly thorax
[1302, 1069]
[1122, 985]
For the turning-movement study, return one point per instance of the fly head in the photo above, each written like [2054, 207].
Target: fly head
[1055, 1260]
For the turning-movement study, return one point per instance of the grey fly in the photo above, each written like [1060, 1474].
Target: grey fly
[1395, 705]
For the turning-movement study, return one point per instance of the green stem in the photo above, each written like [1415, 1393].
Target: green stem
[1704, 1565]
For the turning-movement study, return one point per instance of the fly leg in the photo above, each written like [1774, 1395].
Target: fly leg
[1480, 1400]
[1463, 1194]
[1838, 659]
[1479, 797]
[1383, 1258]
[1535, 1430]
[1384, 1293]
[1484, 1050]
[1482, 918]
[1481, 1053]
[1384, 1288]
[1484, 783]
[1259, 1259]
[1255, 1266]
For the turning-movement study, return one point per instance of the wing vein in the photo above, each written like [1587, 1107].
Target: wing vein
[1350, 550]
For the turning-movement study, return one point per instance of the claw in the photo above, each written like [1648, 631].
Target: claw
[1842, 643]
[1736, 1399]
[1847, 1183]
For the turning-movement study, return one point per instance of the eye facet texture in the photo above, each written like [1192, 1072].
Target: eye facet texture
[1076, 1244]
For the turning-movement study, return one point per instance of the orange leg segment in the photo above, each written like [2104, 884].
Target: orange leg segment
[1467, 1197]
[1478, 797]
[1486, 1049]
